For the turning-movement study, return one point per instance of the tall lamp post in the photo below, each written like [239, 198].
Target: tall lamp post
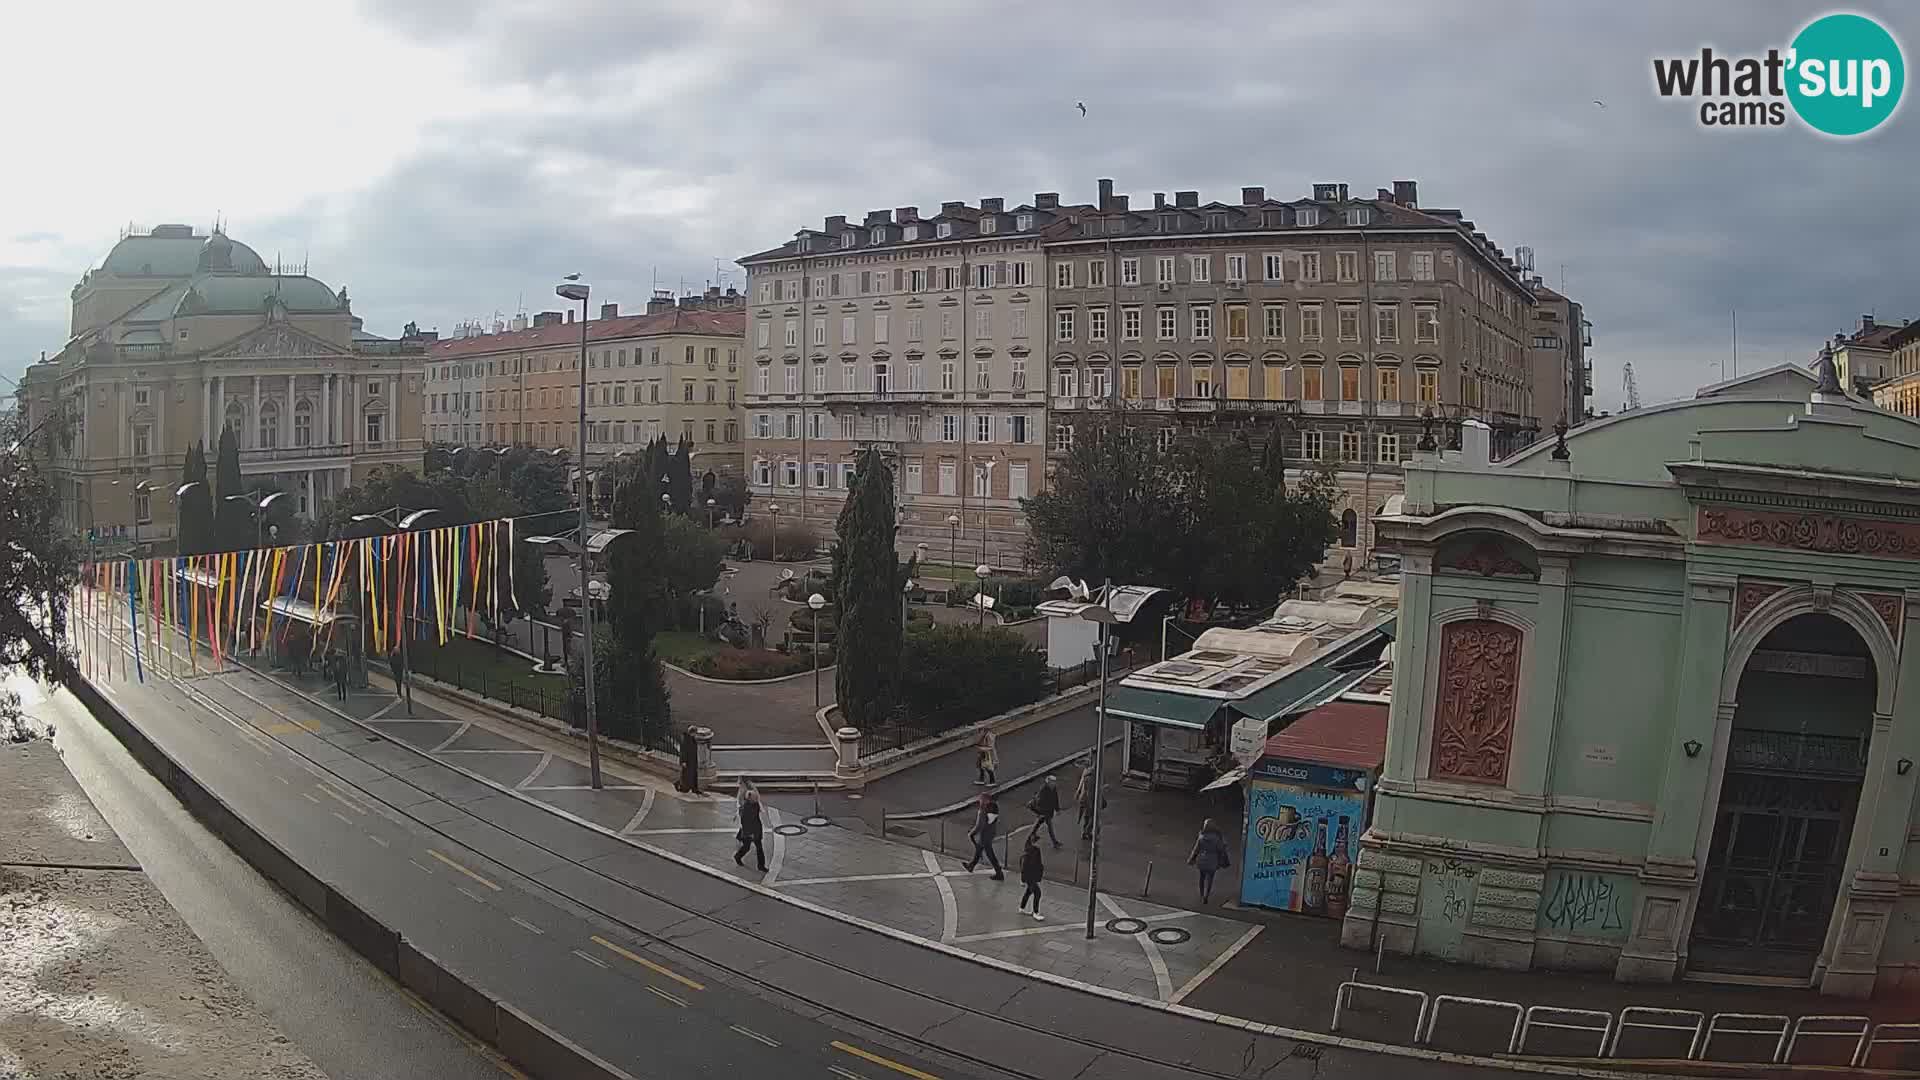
[575, 289]
[953, 553]
[710, 505]
[402, 682]
[142, 489]
[816, 602]
[1102, 614]
[260, 503]
[774, 509]
[980, 595]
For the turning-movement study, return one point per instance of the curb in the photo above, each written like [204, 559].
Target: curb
[677, 669]
[1023, 778]
[523, 1040]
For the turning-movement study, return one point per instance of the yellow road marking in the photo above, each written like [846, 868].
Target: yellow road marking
[659, 993]
[463, 870]
[648, 964]
[288, 727]
[887, 1063]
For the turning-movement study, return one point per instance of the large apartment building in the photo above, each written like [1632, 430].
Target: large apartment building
[924, 337]
[1337, 321]
[1899, 391]
[1562, 374]
[674, 372]
[177, 335]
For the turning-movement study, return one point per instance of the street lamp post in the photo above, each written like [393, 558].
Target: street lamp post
[575, 289]
[260, 503]
[906, 590]
[816, 602]
[1102, 614]
[980, 596]
[710, 506]
[402, 682]
[774, 509]
[953, 553]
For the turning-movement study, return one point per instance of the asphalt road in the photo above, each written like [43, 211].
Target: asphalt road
[313, 987]
[659, 968]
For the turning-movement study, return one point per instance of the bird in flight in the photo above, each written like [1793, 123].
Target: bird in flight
[1600, 103]
[1082, 106]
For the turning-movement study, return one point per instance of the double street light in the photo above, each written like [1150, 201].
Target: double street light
[572, 288]
[259, 504]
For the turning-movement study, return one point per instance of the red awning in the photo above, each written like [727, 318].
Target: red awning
[1344, 734]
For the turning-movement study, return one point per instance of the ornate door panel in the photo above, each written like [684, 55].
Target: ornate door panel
[1477, 702]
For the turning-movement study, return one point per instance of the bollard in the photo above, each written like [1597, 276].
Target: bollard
[883, 823]
[1148, 886]
[943, 836]
[816, 804]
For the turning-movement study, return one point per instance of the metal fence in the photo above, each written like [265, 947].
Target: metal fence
[547, 701]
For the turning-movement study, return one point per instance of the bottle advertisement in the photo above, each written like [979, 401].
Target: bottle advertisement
[1301, 845]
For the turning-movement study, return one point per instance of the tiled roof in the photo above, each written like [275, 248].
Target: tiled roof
[1345, 734]
[964, 219]
[715, 323]
[1880, 336]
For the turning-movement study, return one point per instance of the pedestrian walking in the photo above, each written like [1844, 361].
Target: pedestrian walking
[341, 674]
[1031, 871]
[984, 757]
[1209, 856]
[986, 825]
[750, 831]
[1083, 797]
[1045, 804]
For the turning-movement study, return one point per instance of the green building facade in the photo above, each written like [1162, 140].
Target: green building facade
[1655, 710]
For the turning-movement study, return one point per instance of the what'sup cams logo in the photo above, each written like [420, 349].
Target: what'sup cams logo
[1842, 76]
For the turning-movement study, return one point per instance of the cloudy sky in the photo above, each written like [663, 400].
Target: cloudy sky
[449, 159]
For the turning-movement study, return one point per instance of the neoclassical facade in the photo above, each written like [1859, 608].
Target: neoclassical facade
[177, 335]
[1655, 710]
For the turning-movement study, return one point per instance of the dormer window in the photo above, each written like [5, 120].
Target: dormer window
[1274, 219]
[806, 243]
[989, 223]
[846, 240]
[912, 232]
[879, 236]
[943, 230]
[1307, 215]
[1169, 223]
[1023, 222]
[1359, 215]
[1216, 221]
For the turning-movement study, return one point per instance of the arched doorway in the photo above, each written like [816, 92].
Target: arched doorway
[1796, 755]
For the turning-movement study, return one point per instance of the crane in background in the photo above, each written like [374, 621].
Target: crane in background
[1631, 388]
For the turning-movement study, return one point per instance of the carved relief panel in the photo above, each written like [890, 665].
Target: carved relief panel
[1478, 699]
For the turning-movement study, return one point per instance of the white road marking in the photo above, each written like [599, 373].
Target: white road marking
[594, 960]
[377, 840]
[1219, 962]
[469, 894]
[779, 848]
[310, 798]
[421, 867]
[545, 760]
[525, 925]
[659, 993]
[343, 818]
[949, 908]
[1029, 931]
[449, 740]
[1147, 945]
[754, 1035]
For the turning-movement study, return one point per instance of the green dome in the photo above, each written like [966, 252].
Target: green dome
[173, 251]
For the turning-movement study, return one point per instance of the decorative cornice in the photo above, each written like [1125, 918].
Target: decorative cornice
[1488, 559]
[1827, 534]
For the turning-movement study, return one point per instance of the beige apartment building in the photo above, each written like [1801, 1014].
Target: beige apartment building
[923, 337]
[1337, 321]
[1562, 374]
[1899, 391]
[176, 335]
[674, 371]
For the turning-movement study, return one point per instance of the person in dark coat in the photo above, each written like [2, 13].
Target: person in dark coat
[1045, 804]
[1209, 856]
[750, 832]
[986, 826]
[690, 763]
[1031, 871]
[340, 676]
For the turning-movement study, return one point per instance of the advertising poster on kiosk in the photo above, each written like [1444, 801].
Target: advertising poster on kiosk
[1303, 835]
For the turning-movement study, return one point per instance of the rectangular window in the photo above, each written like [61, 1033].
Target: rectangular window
[1163, 270]
[813, 425]
[1426, 324]
[949, 428]
[947, 376]
[1349, 382]
[1017, 480]
[1236, 268]
[1349, 321]
[1310, 447]
[1130, 382]
[1130, 324]
[982, 480]
[1166, 380]
[879, 328]
[820, 474]
[948, 471]
[983, 428]
[760, 337]
[1017, 428]
[1274, 322]
[1274, 267]
[1096, 273]
[1310, 375]
[1018, 322]
[1097, 324]
[819, 332]
[1019, 269]
[1063, 324]
[376, 427]
[1383, 268]
[847, 330]
[1203, 381]
[1066, 382]
[1200, 268]
[1429, 386]
[792, 425]
[1386, 324]
[1421, 263]
[1349, 446]
[913, 479]
[1169, 321]
[1063, 275]
[983, 374]
[1063, 437]
[790, 473]
[1309, 262]
[762, 471]
[1019, 373]
[913, 427]
[849, 377]
[1130, 271]
[1389, 384]
[917, 280]
[982, 323]
[792, 375]
[1236, 322]
[1202, 316]
[1388, 448]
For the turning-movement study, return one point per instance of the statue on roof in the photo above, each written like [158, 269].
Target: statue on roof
[342, 298]
[1828, 375]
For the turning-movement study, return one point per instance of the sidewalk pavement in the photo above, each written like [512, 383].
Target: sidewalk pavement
[100, 976]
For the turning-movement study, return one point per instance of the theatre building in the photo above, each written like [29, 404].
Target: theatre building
[1657, 705]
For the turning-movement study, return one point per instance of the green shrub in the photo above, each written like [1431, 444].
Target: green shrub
[746, 664]
[971, 671]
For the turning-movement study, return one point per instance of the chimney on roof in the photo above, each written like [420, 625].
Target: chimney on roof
[1866, 323]
[836, 222]
[1252, 196]
[1383, 194]
[906, 214]
[546, 318]
[950, 207]
[994, 205]
[1046, 200]
[878, 217]
[1186, 198]
[1120, 203]
[569, 316]
[1159, 200]
[1406, 193]
[1343, 193]
[660, 301]
[1106, 194]
[609, 311]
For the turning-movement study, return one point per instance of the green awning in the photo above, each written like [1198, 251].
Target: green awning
[1309, 688]
[1161, 707]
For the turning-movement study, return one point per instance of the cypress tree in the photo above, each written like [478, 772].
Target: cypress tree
[867, 583]
[195, 524]
[232, 520]
[680, 477]
[634, 700]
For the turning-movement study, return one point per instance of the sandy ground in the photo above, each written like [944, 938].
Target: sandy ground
[99, 977]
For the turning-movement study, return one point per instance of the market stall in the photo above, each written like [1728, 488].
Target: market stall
[1309, 796]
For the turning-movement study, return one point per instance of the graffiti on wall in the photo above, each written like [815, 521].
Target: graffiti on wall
[1586, 903]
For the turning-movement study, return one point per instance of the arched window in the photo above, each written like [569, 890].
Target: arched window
[1349, 528]
[303, 424]
[269, 425]
[236, 418]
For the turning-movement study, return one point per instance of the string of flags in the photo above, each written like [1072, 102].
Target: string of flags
[434, 583]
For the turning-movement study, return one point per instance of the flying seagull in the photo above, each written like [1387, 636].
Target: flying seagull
[1082, 106]
[1600, 103]
[571, 277]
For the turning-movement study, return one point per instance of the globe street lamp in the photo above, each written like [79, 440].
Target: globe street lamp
[816, 602]
[980, 595]
[953, 553]
[774, 509]
[710, 505]
[575, 289]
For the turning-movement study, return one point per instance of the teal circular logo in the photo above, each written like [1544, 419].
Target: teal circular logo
[1845, 74]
